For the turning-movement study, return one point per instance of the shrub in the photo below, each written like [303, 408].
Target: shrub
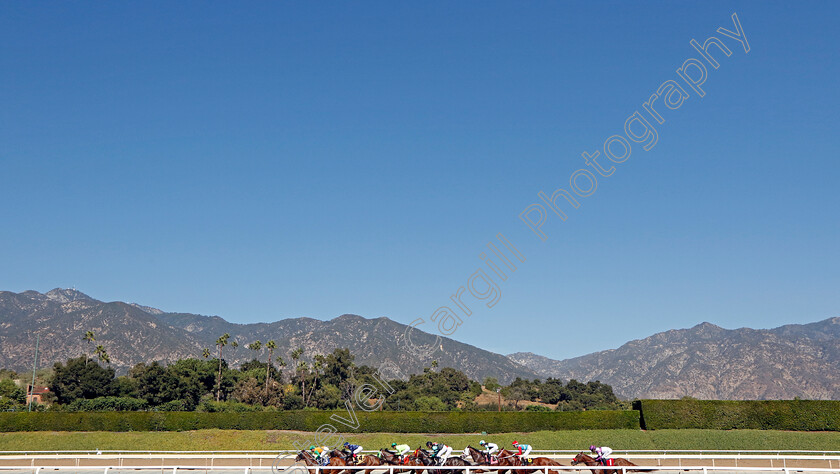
[108, 404]
[792, 415]
[301, 420]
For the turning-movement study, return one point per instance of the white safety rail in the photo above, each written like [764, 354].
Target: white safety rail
[297, 469]
[252, 459]
[543, 452]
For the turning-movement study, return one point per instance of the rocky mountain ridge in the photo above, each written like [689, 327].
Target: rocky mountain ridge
[133, 333]
[710, 362]
[706, 361]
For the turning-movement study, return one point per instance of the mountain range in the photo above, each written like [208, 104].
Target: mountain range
[709, 362]
[705, 361]
[132, 333]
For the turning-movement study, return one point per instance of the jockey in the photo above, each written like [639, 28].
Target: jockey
[524, 449]
[353, 449]
[489, 448]
[439, 451]
[400, 449]
[602, 453]
[433, 447]
[319, 452]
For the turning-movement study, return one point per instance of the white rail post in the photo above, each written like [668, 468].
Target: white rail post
[175, 470]
[106, 470]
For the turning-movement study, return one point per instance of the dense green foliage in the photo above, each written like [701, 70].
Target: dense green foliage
[434, 391]
[323, 382]
[311, 420]
[108, 404]
[794, 415]
[11, 396]
[571, 396]
[81, 378]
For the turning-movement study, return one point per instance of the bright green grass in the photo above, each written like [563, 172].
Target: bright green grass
[206, 440]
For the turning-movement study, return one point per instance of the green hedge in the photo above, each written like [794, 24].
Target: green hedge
[108, 404]
[397, 422]
[791, 415]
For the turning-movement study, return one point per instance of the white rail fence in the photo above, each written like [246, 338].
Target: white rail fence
[296, 469]
[266, 458]
[623, 453]
[169, 462]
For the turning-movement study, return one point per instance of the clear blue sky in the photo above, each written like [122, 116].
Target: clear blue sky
[286, 159]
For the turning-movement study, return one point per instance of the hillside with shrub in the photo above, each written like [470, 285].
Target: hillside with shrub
[269, 383]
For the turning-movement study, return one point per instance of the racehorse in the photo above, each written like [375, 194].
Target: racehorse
[509, 458]
[424, 457]
[479, 457]
[582, 458]
[309, 460]
[392, 459]
[369, 460]
[342, 454]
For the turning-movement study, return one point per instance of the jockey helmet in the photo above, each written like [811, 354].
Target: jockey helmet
[592, 448]
[312, 447]
[393, 444]
[515, 443]
[482, 442]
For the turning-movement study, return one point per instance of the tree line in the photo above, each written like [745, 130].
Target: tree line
[312, 382]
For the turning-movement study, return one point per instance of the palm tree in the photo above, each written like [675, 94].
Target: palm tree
[280, 363]
[317, 366]
[255, 346]
[270, 345]
[205, 353]
[220, 342]
[89, 337]
[235, 345]
[102, 355]
[300, 367]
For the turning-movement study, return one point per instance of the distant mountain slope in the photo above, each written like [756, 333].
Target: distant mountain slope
[710, 362]
[705, 361]
[133, 333]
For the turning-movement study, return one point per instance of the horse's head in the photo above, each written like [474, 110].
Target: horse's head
[580, 458]
[301, 456]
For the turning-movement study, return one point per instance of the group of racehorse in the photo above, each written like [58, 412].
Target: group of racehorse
[499, 464]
